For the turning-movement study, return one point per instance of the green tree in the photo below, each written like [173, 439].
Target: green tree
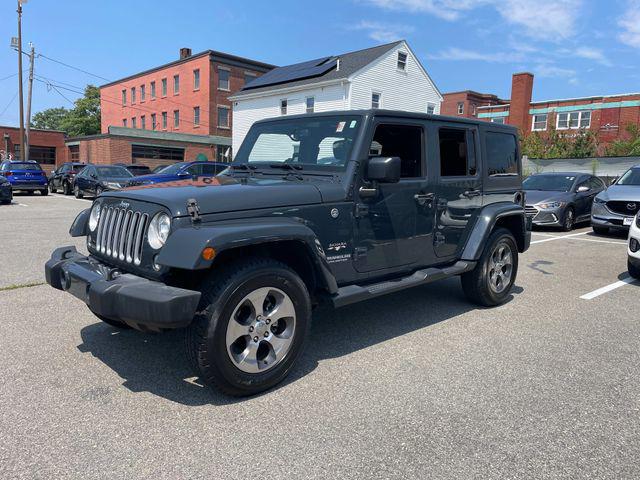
[49, 119]
[627, 146]
[554, 144]
[84, 117]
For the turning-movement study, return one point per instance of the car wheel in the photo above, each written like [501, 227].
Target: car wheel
[44, 192]
[52, 189]
[490, 282]
[112, 322]
[77, 192]
[633, 270]
[255, 317]
[569, 220]
[600, 230]
[66, 188]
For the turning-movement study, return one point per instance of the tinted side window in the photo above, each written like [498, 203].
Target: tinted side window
[456, 158]
[502, 154]
[194, 170]
[404, 141]
[208, 169]
[595, 183]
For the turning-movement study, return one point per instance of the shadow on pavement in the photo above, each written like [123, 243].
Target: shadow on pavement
[157, 363]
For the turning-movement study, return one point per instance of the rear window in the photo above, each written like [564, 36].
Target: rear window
[22, 166]
[502, 154]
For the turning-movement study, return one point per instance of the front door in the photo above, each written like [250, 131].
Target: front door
[393, 229]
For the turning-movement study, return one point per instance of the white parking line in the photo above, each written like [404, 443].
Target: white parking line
[608, 288]
[68, 198]
[551, 239]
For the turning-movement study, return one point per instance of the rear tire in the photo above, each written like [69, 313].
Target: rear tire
[66, 188]
[234, 344]
[633, 270]
[490, 282]
[77, 193]
[44, 192]
[600, 230]
[52, 189]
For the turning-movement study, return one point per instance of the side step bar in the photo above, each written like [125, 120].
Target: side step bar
[357, 293]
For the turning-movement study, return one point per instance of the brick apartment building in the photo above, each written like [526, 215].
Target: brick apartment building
[605, 115]
[46, 146]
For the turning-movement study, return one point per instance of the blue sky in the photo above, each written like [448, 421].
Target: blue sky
[574, 47]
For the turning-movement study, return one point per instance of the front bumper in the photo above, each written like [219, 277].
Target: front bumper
[601, 216]
[136, 301]
[546, 217]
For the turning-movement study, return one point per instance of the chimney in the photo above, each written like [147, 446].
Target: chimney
[185, 53]
[521, 93]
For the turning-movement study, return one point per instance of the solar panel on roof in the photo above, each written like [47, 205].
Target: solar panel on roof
[298, 71]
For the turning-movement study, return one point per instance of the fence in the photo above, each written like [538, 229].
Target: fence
[607, 168]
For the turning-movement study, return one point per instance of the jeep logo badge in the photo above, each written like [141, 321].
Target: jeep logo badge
[124, 204]
[631, 206]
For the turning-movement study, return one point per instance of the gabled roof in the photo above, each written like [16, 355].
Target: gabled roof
[350, 63]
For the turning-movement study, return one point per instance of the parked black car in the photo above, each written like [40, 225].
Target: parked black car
[136, 170]
[560, 199]
[62, 178]
[6, 191]
[337, 206]
[95, 179]
[616, 207]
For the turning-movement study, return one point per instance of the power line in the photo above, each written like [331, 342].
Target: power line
[9, 104]
[74, 68]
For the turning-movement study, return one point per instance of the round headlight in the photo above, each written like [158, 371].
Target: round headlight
[94, 216]
[159, 230]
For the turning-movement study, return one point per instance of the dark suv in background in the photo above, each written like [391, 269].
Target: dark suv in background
[616, 207]
[62, 178]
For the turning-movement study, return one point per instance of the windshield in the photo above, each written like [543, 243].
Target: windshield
[549, 183]
[632, 177]
[317, 142]
[172, 169]
[113, 172]
[77, 168]
[23, 166]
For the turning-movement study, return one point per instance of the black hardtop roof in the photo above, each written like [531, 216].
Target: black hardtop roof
[562, 174]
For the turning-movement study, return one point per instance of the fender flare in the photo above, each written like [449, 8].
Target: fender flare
[80, 226]
[486, 221]
[184, 246]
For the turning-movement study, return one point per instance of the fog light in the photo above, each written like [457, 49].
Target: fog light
[156, 265]
[634, 245]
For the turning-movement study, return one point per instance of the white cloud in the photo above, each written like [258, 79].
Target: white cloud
[548, 70]
[630, 24]
[459, 54]
[592, 54]
[383, 32]
[445, 9]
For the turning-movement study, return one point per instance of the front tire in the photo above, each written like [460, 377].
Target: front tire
[633, 270]
[44, 192]
[490, 282]
[77, 192]
[52, 189]
[255, 318]
[569, 220]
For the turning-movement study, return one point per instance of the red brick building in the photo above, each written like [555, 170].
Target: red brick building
[605, 115]
[46, 146]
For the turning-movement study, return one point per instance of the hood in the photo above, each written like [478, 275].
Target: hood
[621, 192]
[224, 194]
[153, 177]
[122, 180]
[533, 197]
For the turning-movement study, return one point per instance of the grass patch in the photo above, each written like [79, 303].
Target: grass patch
[22, 285]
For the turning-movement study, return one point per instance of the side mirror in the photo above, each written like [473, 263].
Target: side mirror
[583, 189]
[384, 169]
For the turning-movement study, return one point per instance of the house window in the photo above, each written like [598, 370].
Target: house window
[153, 90]
[176, 84]
[376, 99]
[402, 61]
[164, 87]
[143, 122]
[196, 116]
[176, 118]
[460, 108]
[143, 92]
[539, 122]
[248, 76]
[573, 120]
[283, 107]
[133, 122]
[164, 120]
[124, 122]
[499, 120]
[431, 108]
[124, 97]
[196, 79]
[223, 117]
[223, 79]
[311, 103]
[153, 121]
[133, 94]
[158, 153]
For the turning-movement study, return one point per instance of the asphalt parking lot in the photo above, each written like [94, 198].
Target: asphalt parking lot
[418, 384]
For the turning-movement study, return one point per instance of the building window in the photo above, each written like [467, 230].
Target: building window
[124, 97]
[133, 94]
[133, 122]
[283, 107]
[124, 122]
[376, 99]
[74, 152]
[176, 84]
[539, 122]
[143, 92]
[460, 108]
[223, 117]
[164, 120]
[473, 109]
[153, 121]
[402, 61]
[164, 87]
[311, 104]
[573, 120]
[158, 153]
[153, 90]
[176, 119]
[143, 122]
[431, 108]
[499, 120]
[43, 155]
[248, 76]
[196, 79]
[223, 153]
[196, 116]
[223, 79]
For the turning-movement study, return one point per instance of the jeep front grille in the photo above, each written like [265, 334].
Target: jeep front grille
[121, 234]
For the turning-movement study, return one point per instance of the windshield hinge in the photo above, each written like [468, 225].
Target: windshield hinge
[193, 210]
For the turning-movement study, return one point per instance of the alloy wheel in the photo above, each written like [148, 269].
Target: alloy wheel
[500, 267]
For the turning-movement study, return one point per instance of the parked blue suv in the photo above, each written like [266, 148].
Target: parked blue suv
[25, 175]
[180, 171]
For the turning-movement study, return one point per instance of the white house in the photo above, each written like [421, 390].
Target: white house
[388, 76]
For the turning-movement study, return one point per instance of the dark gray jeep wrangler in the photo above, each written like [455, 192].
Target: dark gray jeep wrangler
[340, 206]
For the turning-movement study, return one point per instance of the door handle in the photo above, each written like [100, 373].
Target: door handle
[472, 193]
[423, 198]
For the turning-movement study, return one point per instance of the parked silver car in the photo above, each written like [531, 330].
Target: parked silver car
[616, 207]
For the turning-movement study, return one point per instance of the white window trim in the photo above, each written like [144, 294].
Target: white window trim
[375, 92]
[533, 122]
[569, 127]
[406, 61]
[460, 104]
[218, 107]
[433, 106]
[286, 106]
[306, 105]
[228, 70]
[194, 79]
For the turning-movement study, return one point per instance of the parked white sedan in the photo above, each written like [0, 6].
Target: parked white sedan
[633, 249]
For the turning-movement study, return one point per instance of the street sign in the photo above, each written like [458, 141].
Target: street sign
[14, 42]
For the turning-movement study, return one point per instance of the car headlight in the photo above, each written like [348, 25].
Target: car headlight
[113, 185]
[551, 205]
[599, 199]
[159, 230]
[94, 216]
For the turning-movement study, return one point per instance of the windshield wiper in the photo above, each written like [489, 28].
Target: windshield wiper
[242, 166]
[285, 166]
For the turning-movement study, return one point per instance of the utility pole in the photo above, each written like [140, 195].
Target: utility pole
[28, 124]
[20, 79]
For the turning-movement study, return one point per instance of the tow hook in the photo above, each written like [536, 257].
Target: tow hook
[193, 210]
